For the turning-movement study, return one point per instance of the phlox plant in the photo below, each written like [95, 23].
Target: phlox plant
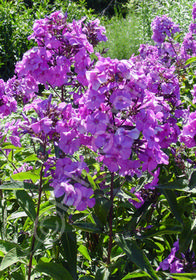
[97, 156]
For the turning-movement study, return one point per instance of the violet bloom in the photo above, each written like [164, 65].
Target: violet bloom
[188, 135]
[83, 199]
[139, 201]
[96, 122]
[172, 263]
[162, 27]
[194, 11]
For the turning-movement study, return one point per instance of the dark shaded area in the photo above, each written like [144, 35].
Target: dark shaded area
[108, 7]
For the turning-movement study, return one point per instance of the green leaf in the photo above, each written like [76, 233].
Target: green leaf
[17, 215]
[26, 203]
[18, 275]
[179, 185]
[160, 230]
[192, 182]
[137, 216]
[33, 175]
[13, 256]
[69, 251]
[31, 158]
[91, 181]
[102, 209]
[17, 186]
[55, 223]
[89, 227]
[171, 199]
[6, 246]
[55, 270]
[186, 236]
[134, 275]
[102, 274]
[190, 60]
[87, 278]
[183, 276]
[136, 255]
[83, 250]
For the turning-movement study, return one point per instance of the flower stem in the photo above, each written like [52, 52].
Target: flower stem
[35, 226]
[111, 219]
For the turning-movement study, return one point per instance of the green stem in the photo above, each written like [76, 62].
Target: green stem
[35, 226]
[111, 219]
[9, 160]
[37, 217]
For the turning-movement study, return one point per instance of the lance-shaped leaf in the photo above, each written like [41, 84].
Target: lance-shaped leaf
[171, 199]
[136, 255]
[55, 270]
[26, 203]
[13, 256]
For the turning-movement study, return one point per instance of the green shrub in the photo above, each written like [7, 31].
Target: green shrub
[122, 34]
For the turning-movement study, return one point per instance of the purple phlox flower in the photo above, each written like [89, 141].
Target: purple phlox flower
[148, 51]
[188, 48]
[172, 263]
[15, 140]
[155, 180]
[168, 134]
[123, 140]
[120, 99]
[193, 91]
[152, 157]
[2, 87]
[83, 199]
[163, 26]
[25, 167]
[44, 125]
[94, 79]
[34, 62]
[112, 161]
[192, 28]
[188, 135]
[194, 11]
[8, 105]
[93, 99]
[96, 122]
[139, 201]
[94, 32]
[103, 141]
[69, 143]
[24, 88]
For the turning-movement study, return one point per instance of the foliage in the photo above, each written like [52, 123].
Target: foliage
[122, 34]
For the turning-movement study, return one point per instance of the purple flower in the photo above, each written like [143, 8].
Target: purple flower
[188, 134]
[194, 11]
[162, 27]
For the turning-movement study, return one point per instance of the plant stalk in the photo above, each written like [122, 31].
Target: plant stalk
[111, 219]
[35, 226]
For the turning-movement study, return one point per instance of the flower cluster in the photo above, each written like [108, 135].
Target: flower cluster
[7, 102]
[63, 52]
[178, 263]
[76, 194]
[126, 111]
[162, 27]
